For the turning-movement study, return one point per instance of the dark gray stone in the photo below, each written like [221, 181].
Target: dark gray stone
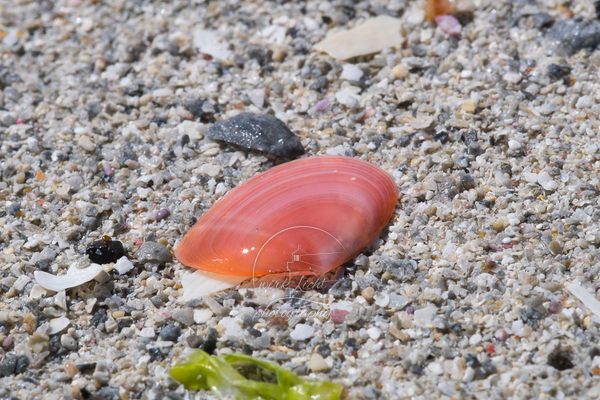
[258, 132]
[542, 20]
[170, 333]
[13, 365]
[571, 35]
[154, 253]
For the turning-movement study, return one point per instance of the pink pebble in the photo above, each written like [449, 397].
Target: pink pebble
[7, 342]
[449, 24]
[321, 105]
[108, 170]
[338, 316]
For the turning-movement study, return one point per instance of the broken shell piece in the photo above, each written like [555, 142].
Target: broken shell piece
[371, 37]
[74, 277]
[202, 283]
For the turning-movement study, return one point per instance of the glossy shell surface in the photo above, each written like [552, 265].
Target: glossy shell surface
[303, 217]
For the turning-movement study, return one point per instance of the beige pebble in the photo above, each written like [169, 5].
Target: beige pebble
[318, 363]
[279, 55]
[86, 143]
[400, 71]
[468, 106]
[118, 314]
[71, 369]
[368, 293]
[556, 248]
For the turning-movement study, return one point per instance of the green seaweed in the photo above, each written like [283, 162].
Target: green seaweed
[244, 377]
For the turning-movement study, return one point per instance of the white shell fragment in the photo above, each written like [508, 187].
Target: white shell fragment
[202, 283]
[74, 277]
[209, 42]
[371, 37]
[585, 297]
[58, 325]
[123, 265]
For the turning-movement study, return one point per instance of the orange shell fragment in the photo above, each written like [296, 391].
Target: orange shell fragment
[435, 8]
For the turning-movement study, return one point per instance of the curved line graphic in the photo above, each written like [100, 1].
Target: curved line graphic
[284, 230]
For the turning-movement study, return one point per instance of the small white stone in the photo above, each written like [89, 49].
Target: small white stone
[318, 363]
[302, 332]
[512, 77]
[514, 144]
[584, 102]
[469, 375]
[123, 265]
[257, 97]
[202, 316]
[424, 316]
[351, 72]
[475, 339]
[148, 332]
[374, 333]
[210, 169]
[57, 325]
[86, 143]
[21, 282]
[232, 328]
[163, 92]
[348, 96]
[37, 292]
[530, 177]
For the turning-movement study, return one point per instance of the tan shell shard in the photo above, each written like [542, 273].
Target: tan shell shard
[371, 37]
[303, 217]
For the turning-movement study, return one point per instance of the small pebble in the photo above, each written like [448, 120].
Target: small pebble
[338, 316]
[318, 363]
[302, 332]
[161, 214]
[555, 307]
[400, 71]
[104, 252]
[153, 253]
[170, 333]
[368, 293]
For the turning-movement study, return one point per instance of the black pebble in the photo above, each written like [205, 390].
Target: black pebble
[210, 343]
[556, 72]
[87, 367]
[351, 342]
[155, 354]
[561, 359]
[441, 137]
[254, 332]
[324, 350]
[597, 8]
[170, 333]
[258, 132]
[471, 360]
[104, 252]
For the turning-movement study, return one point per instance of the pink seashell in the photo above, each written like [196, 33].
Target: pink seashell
[449, 24]
[307, 216]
